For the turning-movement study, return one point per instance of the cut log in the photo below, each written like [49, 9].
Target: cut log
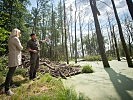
[45, 64]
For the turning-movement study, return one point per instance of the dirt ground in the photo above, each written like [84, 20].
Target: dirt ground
[114, 83]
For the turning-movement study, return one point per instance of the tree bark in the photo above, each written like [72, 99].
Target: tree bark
[116, 46]
[71, 36]
[66, 49]
[89, 39]
[99, 35]
[81, 35]
[75, 34]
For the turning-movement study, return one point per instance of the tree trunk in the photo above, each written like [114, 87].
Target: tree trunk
[130, 46]
[75, 34]
[130, 7]
[116, 46]
[89, 40]
[71, 36]
[112, 38]
[81, 35]
[109, 42]
[62, 33]
[66, 49]
[99, 35]
[129, 61]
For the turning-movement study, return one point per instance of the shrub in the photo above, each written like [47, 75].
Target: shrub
[87, 69]
[3, 63]
[96, 58]
[110, 58]
[20, 71]
[93, 58]
[1, 78]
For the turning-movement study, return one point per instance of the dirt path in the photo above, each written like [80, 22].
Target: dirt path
[115, 83]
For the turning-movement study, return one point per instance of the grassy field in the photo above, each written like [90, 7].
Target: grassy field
[45, 88]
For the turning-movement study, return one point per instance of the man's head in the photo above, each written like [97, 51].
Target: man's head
[33, 36]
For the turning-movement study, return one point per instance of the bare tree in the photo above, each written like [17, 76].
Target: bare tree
[71, 39]
[110, 43]
[81, 34]
[130, 7]
[75, 33]
[66, 49]
[116, 46]
[89, 39]
[122, 37]
[99, 34]
[114, 38]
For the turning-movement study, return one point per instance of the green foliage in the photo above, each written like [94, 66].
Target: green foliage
[93, 58]
[110, 58]
[3, 40]
[87, 69]
[47, 78]
[20, 71]
[96, 58]
[69, 94]
[1, 78]
[3, 63]
[12, 15]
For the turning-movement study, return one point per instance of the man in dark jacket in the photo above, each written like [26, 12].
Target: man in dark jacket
[33, 47]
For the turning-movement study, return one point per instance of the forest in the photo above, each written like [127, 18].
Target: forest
[76, 30]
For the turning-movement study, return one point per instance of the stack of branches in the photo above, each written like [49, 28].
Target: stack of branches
[57, 69]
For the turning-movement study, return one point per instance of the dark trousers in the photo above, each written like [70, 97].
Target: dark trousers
[34, 64]
[9, 77]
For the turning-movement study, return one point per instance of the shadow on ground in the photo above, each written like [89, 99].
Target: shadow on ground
[121, 83]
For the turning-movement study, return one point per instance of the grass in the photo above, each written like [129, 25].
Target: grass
[87, 69]
[45, 88]
[93, 58]
[96, 58]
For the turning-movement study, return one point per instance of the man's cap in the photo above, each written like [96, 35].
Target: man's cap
[32, 34]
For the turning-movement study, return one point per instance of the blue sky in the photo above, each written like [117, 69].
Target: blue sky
[33, 3]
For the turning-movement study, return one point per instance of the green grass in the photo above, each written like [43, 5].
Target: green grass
[46, 88]
[96, 58]
[20, 71]
[87, 69]
[93, 58]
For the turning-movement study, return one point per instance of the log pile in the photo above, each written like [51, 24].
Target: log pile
[60, 70]
[56, 69]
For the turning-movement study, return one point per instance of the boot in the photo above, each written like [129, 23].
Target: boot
[9, 92]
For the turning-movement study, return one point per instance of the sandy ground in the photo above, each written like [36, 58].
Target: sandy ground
[115, 83]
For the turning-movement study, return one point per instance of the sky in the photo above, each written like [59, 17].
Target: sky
[103, 6]
[33, 4]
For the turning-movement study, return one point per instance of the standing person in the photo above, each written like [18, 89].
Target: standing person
[14, 57]
[33, 47]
